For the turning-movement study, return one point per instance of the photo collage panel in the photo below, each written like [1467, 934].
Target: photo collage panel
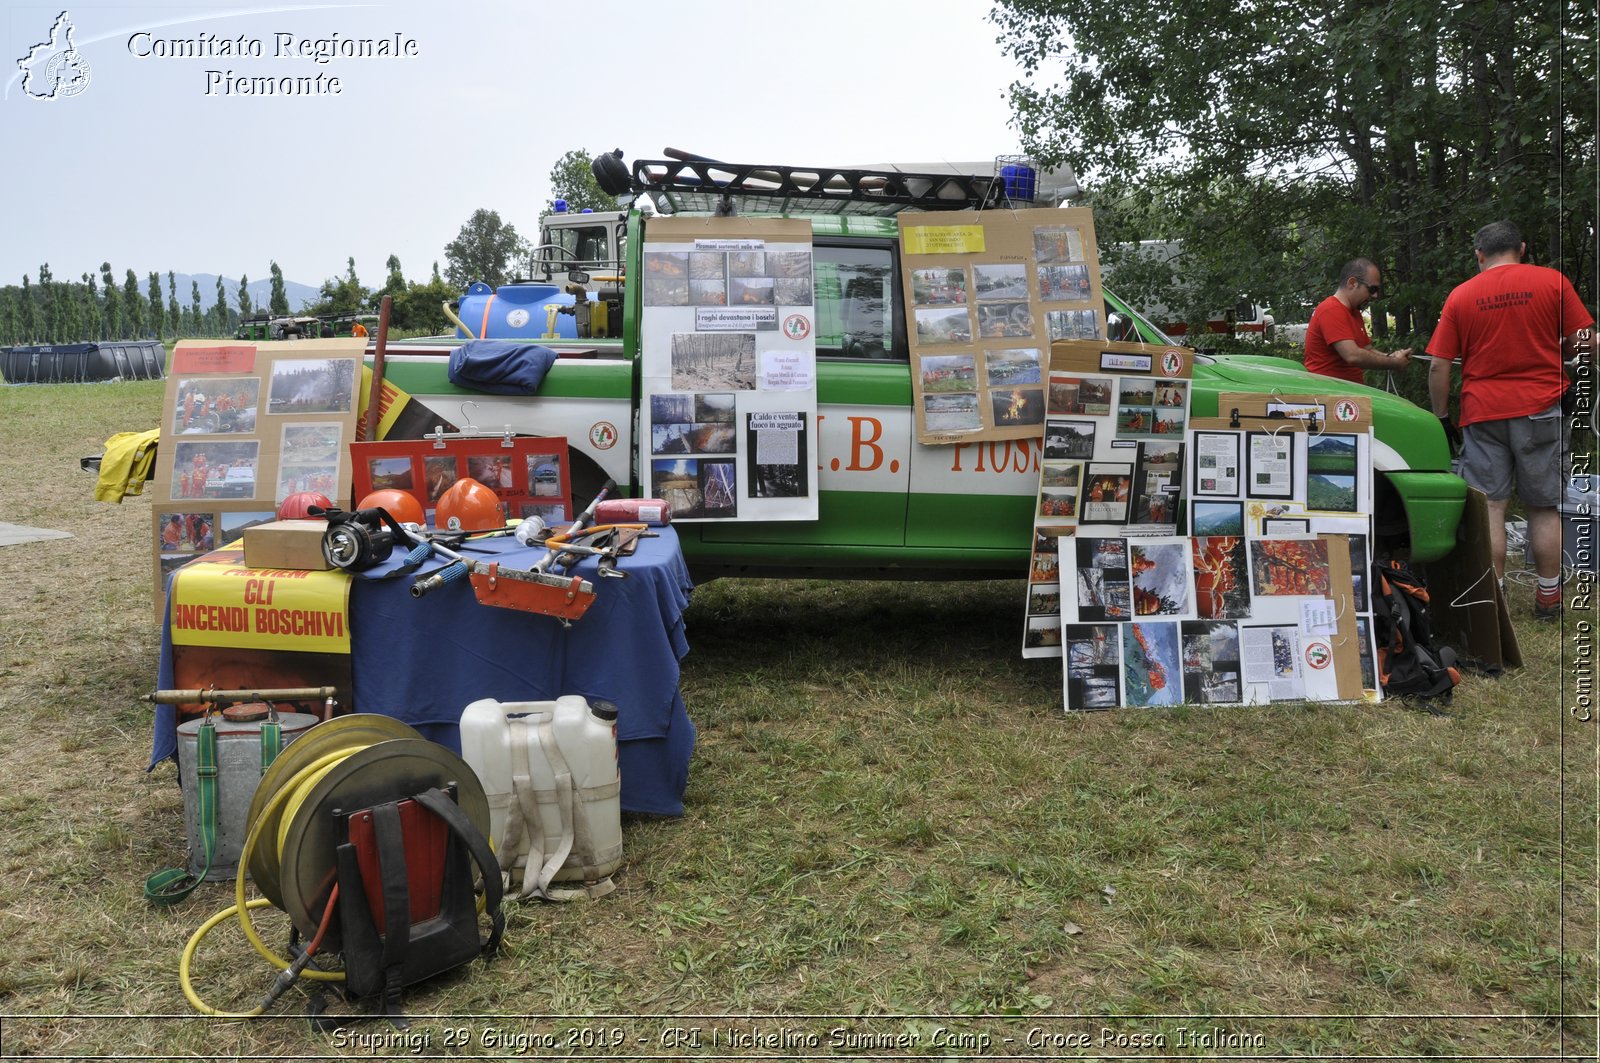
[1287, 495]
[248, 426]
[984, 310]
[1097, 479]
[729, 374]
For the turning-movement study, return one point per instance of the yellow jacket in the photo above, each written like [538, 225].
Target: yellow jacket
[126, 464]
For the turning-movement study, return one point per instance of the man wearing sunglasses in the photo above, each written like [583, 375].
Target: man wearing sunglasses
[1337, 343]
[1512, 327]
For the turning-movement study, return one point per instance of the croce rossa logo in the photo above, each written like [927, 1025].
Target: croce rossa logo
[54, 69]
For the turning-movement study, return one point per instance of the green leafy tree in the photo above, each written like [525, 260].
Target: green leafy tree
[572, 179]
[112, 304]
[420, 306]
[278, 298]
[395, 283]
[484, 250]
[343, 295]
[244, 297]
[157, 317]
[133, 305]
[197, 316]
[1278, 144]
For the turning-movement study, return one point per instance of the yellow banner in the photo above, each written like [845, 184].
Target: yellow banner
[390, 401]
[943, 239]
[217, 601]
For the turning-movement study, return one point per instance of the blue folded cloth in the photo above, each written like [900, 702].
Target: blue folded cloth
[500, 367]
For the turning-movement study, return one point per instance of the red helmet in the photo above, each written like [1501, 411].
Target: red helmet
[401, 505]
[298, 505]
[468, 505]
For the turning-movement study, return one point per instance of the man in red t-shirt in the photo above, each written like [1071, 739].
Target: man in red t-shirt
[1512, 328]
[1337, 343]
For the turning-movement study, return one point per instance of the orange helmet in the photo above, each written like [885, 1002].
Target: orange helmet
[298, 505]
[401, 505]
[468, 505]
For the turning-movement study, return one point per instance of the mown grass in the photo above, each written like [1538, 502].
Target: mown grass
[888, 818]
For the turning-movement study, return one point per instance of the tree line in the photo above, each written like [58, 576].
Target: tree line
[47, 309]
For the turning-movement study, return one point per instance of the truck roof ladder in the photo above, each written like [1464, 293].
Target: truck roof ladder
[700, 185]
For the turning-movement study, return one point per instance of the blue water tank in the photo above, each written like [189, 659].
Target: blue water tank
[517, 311]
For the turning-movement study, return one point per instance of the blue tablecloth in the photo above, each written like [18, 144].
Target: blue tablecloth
[422, 661]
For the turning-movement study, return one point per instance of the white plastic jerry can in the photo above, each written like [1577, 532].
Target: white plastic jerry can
[549, 769]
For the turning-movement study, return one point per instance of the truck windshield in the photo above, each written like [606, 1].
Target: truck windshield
[855, 302]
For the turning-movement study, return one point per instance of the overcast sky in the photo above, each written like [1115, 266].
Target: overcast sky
[153, 165]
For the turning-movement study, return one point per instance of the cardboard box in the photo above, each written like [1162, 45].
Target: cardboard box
[293, 544]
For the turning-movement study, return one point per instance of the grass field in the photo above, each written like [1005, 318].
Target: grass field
[893, 837]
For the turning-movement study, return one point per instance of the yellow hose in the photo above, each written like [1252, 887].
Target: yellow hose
[462, 325]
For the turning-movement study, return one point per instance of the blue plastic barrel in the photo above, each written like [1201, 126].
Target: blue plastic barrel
[516, 311]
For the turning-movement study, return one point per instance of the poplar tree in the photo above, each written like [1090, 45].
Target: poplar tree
[221, 309]
[173, 313]
[157, 317]
[244, 296]
[51, 310]
[134, 303]
[197, 316]
[113, 304]
[278, 299]
[27, 314]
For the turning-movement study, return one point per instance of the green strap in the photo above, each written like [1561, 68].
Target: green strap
[175, 883]
[271, 743]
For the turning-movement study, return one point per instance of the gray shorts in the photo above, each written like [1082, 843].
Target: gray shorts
[1530, 446]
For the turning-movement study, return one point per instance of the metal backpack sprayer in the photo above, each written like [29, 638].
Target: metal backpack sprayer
[371, 840]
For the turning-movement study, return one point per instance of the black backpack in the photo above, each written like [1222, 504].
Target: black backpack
[1410, 664]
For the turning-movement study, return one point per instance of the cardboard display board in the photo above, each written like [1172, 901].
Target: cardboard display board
[728, 364]
[1112, 463]
[1267, 597]
[528, 474]
[244, 426]
[1163, 620]
[986, 294]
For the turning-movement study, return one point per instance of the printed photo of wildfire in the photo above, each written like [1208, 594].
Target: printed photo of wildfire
[1019, 406]
[1290, 566]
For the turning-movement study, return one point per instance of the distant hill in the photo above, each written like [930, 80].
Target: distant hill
[260, 291]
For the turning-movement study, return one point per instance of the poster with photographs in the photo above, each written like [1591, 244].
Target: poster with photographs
[728, 366]
[528, 474]
[249, 424]
[1093, 479]
[987, 291]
